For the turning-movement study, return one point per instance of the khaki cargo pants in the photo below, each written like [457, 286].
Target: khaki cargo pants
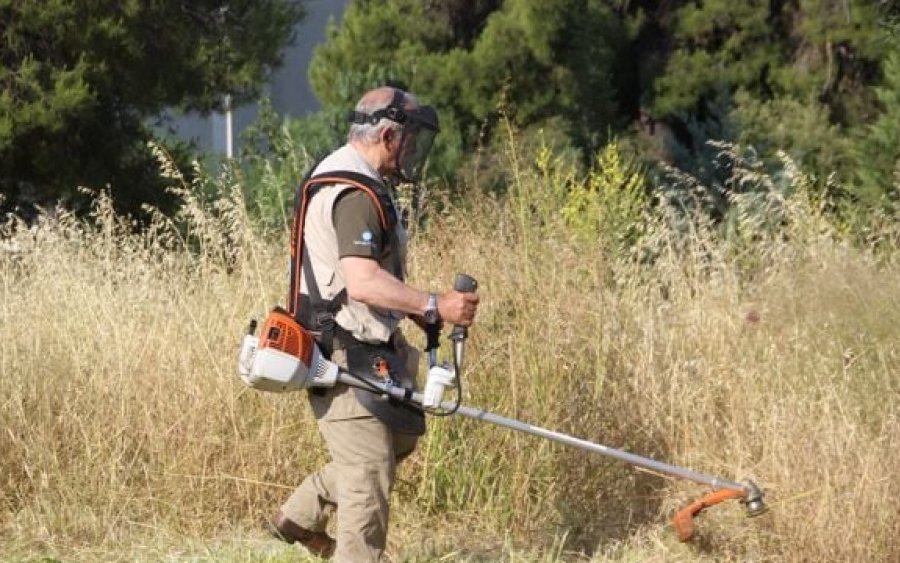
[357, 482]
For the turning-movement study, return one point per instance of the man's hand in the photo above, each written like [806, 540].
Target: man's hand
[458, 308]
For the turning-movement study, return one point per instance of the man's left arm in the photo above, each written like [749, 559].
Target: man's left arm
[359, 233]
[368, 283]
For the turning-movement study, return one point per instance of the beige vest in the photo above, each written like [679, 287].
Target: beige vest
[366, 323]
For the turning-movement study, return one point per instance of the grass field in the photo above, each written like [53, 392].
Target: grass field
[125, 434]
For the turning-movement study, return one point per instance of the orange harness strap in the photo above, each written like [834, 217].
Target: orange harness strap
[357, 181]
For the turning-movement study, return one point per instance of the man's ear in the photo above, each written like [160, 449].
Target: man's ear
[387, 135]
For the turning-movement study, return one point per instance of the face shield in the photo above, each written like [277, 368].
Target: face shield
[418, 128]
[415, 142]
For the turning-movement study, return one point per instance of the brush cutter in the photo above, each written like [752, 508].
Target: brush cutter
[286, 358]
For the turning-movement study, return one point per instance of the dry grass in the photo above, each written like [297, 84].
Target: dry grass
[124, 434]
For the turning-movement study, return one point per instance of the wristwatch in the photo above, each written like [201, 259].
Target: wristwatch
[431, 315]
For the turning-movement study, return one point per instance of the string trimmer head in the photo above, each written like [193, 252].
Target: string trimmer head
[749, 494]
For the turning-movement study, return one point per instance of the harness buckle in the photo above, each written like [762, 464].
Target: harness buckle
[381, 368]
[324, 320]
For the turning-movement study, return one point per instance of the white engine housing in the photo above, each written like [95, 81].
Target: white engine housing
[269, 369]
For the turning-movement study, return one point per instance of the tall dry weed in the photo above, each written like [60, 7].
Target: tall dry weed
[773, 355]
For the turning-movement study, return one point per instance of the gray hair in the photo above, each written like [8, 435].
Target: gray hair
[368, 133]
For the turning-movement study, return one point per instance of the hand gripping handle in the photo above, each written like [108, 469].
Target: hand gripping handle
[463, 283]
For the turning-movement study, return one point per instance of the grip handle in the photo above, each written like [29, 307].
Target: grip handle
[463, 283]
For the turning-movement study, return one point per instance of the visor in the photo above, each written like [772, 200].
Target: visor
[414, 149]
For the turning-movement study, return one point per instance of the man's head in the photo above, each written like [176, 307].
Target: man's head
[394, 131]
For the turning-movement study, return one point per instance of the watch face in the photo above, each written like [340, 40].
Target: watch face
[431, 311]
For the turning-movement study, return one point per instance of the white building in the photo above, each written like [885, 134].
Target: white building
[289, 88]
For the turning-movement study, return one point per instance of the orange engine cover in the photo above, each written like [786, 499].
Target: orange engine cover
[281, 332]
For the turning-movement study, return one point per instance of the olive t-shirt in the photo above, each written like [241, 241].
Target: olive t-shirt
[358, 226]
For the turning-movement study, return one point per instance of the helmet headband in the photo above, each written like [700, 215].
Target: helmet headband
[423, 116]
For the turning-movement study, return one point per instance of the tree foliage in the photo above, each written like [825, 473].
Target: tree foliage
[80, 79]
[536, 60]
[814, 79]
[813, 50]
[878, 151]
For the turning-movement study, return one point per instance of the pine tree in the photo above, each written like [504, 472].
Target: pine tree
[878, 151]
[540, 60]
[79, 80]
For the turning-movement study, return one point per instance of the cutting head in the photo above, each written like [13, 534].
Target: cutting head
[751, 495]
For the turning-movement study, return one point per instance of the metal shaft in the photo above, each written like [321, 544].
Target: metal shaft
[478, 414]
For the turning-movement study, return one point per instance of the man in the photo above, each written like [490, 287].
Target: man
[350, 291]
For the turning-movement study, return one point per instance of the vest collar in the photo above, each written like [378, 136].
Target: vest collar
[364, 166]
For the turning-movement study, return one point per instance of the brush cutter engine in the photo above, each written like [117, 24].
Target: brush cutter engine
[285, 357]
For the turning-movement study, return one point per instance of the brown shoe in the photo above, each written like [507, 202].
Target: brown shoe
[318, 543]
